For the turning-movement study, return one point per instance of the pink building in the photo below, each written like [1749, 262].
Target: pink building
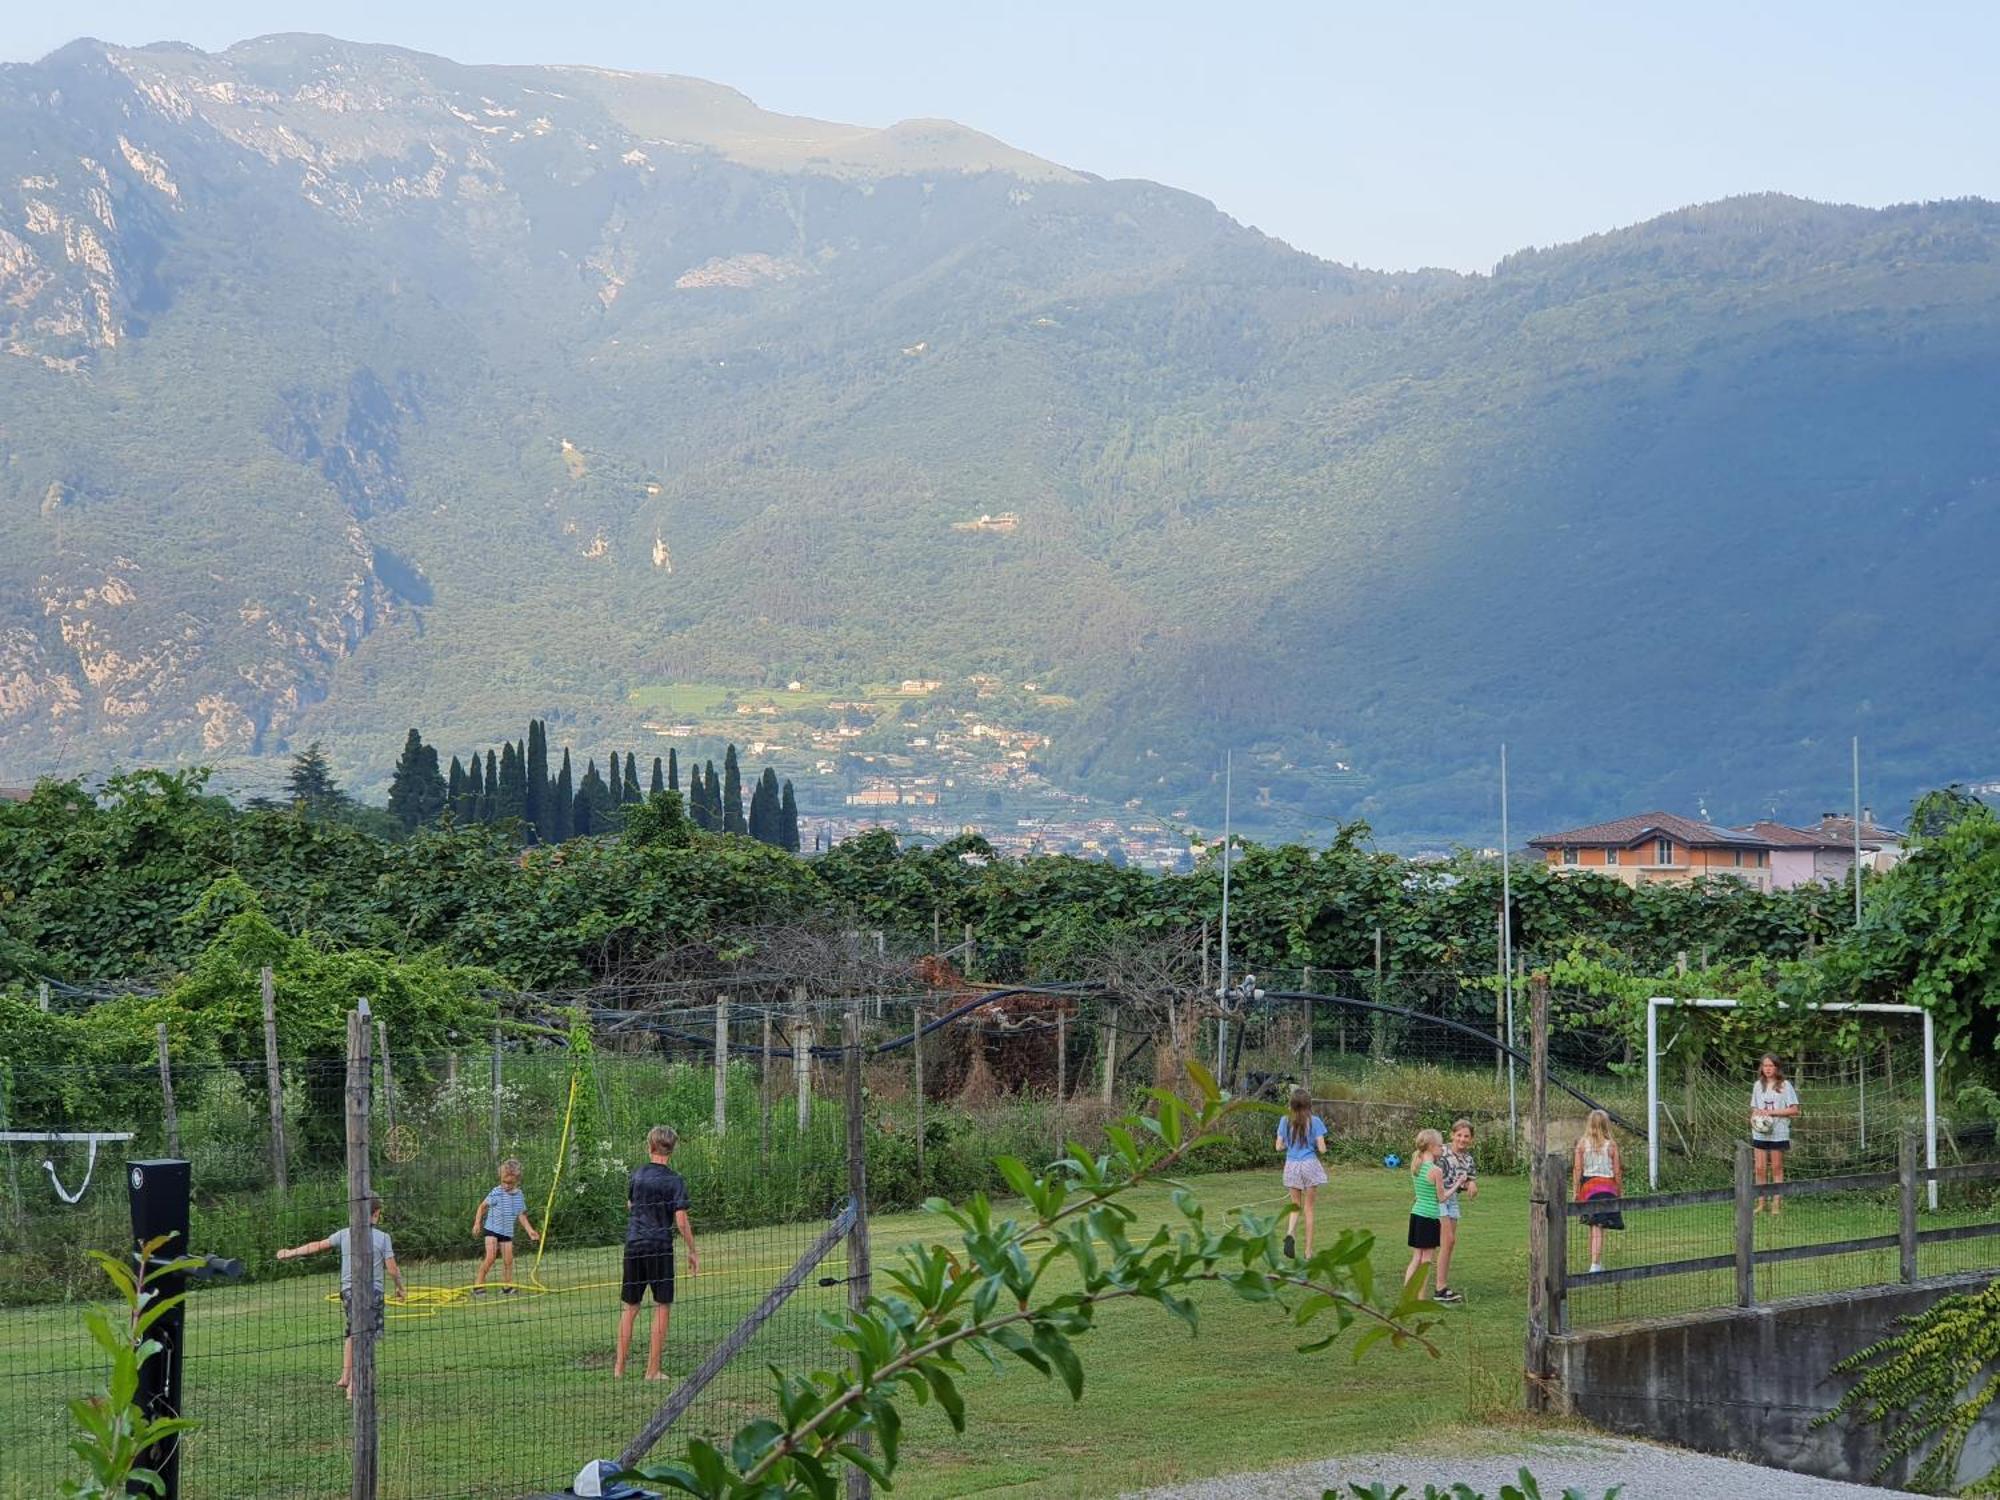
[1800, 856]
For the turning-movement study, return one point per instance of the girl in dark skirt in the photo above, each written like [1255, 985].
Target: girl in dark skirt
[1597, 1177]
[1428, 1180]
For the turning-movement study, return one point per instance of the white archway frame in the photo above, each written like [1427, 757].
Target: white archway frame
[1653, 1073]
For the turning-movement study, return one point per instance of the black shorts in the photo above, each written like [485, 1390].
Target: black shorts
[648, 1268]
[505, 1239]
[347, 1311]
[1769, 1145]
[1425, 1232]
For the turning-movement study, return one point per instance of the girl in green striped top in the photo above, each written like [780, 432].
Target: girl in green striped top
[1428, 1180]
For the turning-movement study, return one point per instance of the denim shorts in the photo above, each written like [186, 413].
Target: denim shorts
[1448, 1209]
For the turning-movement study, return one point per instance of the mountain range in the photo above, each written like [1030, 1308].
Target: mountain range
[344, 388]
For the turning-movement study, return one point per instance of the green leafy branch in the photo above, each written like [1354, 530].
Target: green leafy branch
[113, 1434]
[987, 1297]
[1524, 1487]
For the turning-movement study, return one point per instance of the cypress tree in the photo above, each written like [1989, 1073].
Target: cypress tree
[732, 794]
[631, 791]
[673, 769]
[659, 776]
[581, 822]
[489, 803]
[788, 821]
[562, 804]
[711, 797]
[406, 786]
[764, 808]
[535, 791]
[454, 787]
[511, 802]
[475, 793]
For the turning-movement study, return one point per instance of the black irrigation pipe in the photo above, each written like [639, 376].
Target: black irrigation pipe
[1459, 1026]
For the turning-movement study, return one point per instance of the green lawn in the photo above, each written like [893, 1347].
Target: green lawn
[494, 1398]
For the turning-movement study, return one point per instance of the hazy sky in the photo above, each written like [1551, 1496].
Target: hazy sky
[1388, 134]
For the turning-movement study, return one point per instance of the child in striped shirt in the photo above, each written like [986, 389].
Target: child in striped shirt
[499, 1211]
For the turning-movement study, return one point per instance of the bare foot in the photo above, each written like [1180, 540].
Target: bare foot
[654, 1375]
[341, 1383]
[617, 1372]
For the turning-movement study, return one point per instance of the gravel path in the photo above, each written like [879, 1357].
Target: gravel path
[1592, 1465]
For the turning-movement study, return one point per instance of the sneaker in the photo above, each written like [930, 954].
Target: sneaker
[1595, 1268]
[506, 1291]
[1291, 1248]
[479, 1291]
[1449, 1296]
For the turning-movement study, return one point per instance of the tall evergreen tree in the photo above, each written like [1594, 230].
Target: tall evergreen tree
[673, 769]
[416, 790]
[474, 807]
[310, 784]
[712, 795]
[489, 805]
[788, 821]
[596, 808]
[764, 808]
[512, 799]
[454, 789]
[659, 776]
[631, 793]
[535, 793]
[698, 800]
[562, 803]
[581, 823]
[732, 794]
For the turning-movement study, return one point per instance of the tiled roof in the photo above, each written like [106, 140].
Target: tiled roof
[1623, 831]
[1841, 831]
[1787, 837]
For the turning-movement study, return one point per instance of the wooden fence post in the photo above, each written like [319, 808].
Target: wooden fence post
[802, 1067]
[173, 1120]
[274, 1081]
[388, 1078]
[917, 1066]
[363, 1298]
[860, 1278]
[1746, 1228]
[721, 1065]
[764, 1096]
[1062, 1060]
[1107, 1089]
[496, 1093]
[1906, 1186]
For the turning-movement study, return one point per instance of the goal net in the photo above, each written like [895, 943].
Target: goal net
[1863, 1074]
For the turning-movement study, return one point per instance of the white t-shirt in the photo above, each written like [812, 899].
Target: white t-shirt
[1784, 1096]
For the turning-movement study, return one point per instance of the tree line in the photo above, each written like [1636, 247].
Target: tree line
[512, 786]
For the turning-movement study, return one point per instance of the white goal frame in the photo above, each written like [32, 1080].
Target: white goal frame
[93, 1138]
[1653, 1007]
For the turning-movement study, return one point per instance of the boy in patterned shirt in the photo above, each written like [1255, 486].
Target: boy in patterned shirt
[499, 1211]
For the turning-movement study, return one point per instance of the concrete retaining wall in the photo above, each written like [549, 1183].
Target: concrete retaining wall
[1749, 1381]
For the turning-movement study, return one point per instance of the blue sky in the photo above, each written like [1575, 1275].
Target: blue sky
[1391, 134]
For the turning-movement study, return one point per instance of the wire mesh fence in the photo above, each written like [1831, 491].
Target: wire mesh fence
[497, 1380]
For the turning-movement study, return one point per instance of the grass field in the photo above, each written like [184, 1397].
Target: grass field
[496, 1397]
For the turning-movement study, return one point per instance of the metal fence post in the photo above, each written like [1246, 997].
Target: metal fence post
[1746, 1228]
[1110, 1083]
[364, 1300]
[917, 1066]
[496, 1093]
[860, 1279]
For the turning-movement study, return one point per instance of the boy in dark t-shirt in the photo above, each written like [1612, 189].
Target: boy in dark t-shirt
[656, 1203]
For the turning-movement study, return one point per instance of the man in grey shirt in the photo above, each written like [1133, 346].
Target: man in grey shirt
[385, 1256]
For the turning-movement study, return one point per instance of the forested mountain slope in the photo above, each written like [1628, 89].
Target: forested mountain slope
[344, 388]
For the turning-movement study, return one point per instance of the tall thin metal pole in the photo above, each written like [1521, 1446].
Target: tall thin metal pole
[1857, 830]
[1222, 1022]
[1507, 945]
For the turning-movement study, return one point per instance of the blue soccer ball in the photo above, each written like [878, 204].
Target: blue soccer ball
[1392, 1160]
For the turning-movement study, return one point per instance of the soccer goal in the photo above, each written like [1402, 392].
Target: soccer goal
[52, 1140]
[1862, 1083]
